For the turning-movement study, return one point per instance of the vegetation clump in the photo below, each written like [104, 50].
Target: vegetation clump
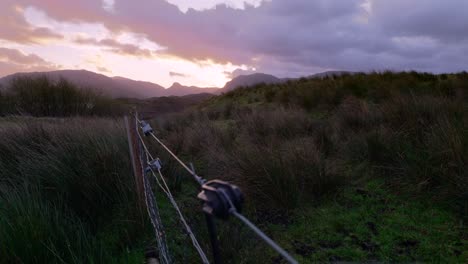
[40, 96]
[356, 167]
[294, 147]
[66, 192]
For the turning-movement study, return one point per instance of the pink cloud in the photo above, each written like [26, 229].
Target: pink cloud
[18, 57]
[178, 74]
[103, 69]
[295, 37]
[15, 28]
[116, 47]
[12, 60]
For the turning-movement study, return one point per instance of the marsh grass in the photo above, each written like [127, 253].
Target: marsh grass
[286, 156]
[66, 192]
[312, 140]
[344, 168]
[40, 96]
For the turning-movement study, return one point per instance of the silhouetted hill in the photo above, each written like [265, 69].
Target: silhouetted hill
[329, 73]
[154, 107]
[115, 87]
[249, 80]
[178, 89]
[120, 87]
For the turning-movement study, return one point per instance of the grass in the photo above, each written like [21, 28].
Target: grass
[43, 97]
[289, 158]
[372, 224]
[283, 156]
[350, 168]
[67, 193]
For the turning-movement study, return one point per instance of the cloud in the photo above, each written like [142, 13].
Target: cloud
[103, 69]
[18, 57]
[178, 74]
[12, 60]
[15, 28]
[238, 72]
[116, 47]
[289, 38]
[446, 21]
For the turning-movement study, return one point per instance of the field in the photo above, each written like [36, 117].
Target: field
[363, 167]
[66, 192]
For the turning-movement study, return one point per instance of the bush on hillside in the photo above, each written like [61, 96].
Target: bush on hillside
[66, 192]
[43, 97]
[409, 128]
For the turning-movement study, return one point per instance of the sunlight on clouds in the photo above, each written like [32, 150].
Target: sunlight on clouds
[184, 5]
[97, 63]
[139, 40]
[157, 70]
[366, 9]
[70, 54]
[108, 5]
[415, 42]
[66, 56]
[37, 17]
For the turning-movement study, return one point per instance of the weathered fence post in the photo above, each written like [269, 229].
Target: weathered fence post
[213, 238]
[134, 156]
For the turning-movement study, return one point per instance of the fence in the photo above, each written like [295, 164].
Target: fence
[219, 199]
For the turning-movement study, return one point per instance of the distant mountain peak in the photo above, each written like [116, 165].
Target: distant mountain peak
[176, 85]
[329, 74]
[113, 86]
[250, 80]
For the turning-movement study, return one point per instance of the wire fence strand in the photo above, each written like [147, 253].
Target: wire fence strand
[232, 209]
[153, 213]
[168, 193]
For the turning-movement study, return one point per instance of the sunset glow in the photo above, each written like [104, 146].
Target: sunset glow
[208, 42]
[91, 46]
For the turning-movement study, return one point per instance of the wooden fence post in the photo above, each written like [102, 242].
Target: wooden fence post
[134, 156]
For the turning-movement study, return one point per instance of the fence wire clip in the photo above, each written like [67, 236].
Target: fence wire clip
[147, 129]
[199, 179]
[219, 197]
[153, 165]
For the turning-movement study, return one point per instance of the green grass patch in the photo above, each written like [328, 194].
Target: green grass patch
[371, 223]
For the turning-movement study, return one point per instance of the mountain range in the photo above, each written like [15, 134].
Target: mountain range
[120, 87]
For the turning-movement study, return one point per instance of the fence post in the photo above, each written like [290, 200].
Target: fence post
[134, 156]
[213, 238]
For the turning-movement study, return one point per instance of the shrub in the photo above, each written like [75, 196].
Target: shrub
[66, 191]
[43, 97]
[409, 128]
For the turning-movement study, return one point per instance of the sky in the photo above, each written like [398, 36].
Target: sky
[208, 42]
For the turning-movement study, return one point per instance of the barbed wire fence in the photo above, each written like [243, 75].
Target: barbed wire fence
[219, 199]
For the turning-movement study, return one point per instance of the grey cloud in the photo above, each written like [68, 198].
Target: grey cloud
[443, 20]
[297, 36]
[14, 26]
[103, 69]
[16, 56]
[177, 74]
[238, 72]
[116, 47]
[12, 60]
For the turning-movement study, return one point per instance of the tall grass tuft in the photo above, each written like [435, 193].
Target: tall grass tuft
[66, 192]
[305, 138]
[41, 96]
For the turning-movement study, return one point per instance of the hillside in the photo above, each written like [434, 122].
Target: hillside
[250, 80]
[356, 167]
[329, 74]
[154, 107]
[349, 168]
[115, 87]
[178, 89]
[120, 87]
